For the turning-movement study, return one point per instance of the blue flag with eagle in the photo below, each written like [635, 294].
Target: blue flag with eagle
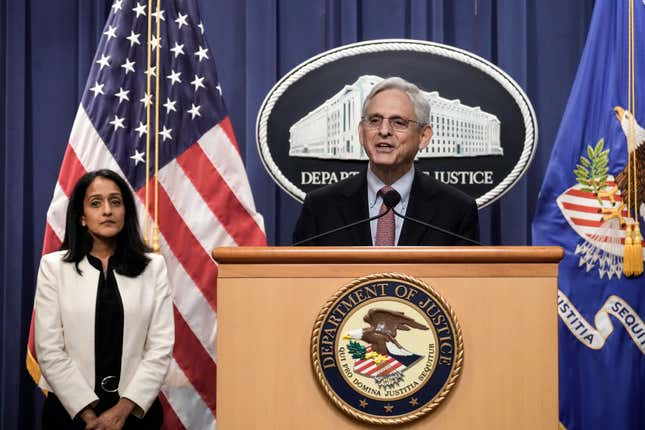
[583, 207]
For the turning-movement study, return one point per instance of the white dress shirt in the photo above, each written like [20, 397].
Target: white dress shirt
[403, 186]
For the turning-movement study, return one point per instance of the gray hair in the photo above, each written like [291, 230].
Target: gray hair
[419, 102]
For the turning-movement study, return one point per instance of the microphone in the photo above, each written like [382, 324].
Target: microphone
[390, 199]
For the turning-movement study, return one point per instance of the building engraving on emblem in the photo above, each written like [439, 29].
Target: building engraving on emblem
[331, 130]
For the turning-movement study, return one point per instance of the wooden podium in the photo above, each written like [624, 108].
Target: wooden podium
[505, 299]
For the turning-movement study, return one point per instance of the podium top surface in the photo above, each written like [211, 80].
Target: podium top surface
[369, 254]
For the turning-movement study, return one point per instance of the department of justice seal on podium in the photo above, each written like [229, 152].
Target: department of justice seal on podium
[387, 348]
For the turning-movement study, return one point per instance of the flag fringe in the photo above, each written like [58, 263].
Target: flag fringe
[34, 369]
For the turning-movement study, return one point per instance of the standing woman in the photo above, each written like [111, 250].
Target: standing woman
[104, 319]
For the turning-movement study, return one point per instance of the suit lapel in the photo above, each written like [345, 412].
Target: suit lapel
[420, 207]
[356, 190]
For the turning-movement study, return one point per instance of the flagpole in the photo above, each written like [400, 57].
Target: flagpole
[155, 240]
[637, 248]
[146, 233]
[633, 250]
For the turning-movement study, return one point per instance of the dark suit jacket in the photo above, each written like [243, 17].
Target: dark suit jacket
[345, 202]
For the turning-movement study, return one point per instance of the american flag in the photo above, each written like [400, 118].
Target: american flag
[204, 196]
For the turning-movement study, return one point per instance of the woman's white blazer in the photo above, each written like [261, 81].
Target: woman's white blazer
[65, 309]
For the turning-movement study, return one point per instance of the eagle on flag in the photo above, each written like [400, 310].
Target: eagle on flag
[624, 117]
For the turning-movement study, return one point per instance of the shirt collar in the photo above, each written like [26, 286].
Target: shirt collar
[96, 262]
[403, 186]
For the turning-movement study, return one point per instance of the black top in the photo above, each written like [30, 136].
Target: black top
[108, 331]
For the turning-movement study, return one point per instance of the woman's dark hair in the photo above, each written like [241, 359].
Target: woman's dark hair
[129, 258]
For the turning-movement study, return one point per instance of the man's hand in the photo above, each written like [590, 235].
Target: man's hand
[114, 418]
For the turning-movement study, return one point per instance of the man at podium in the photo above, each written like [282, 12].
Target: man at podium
[389, 203]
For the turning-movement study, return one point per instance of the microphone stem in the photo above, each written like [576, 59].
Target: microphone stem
[343, 227]
[439, 229]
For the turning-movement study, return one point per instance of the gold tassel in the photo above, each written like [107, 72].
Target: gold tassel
[627, 253]
[637, 251]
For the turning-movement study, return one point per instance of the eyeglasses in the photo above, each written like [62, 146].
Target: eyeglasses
[396, 122]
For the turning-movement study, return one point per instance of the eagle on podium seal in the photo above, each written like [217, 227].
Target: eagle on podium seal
[387, 348]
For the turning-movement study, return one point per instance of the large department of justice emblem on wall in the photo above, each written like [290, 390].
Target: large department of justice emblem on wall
[387, 349]
[484, 127]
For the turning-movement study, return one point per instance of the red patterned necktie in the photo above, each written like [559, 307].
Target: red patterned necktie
[385, 224]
